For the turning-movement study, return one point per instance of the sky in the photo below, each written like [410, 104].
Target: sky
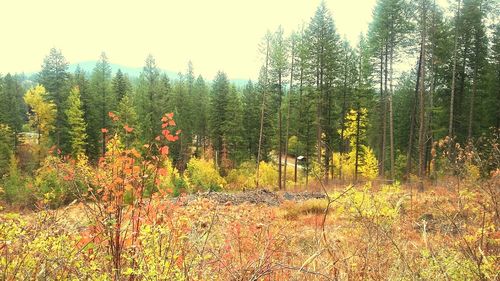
[213, 34]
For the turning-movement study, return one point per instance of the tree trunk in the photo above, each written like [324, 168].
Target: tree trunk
[384, 119]
[471, 108]
[474, 87]
[412, 119]
[430, 134]
[280, 137]
[382, 111]
[342, 122]
[319, 85]
[391, 123]
[318, 128]
[327, 146]
[295, 172]
[453, 74]
[421, 135]
[261, 131]
[356, 165]
[288, 121]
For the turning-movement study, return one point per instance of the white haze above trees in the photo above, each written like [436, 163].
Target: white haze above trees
[214, 35]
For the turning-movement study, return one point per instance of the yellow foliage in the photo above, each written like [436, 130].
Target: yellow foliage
[241, 178]
[472, 171]
[348, 164]
[44, 112]
[268, 176]
[167, 179]
[201, 174]
[369, 169]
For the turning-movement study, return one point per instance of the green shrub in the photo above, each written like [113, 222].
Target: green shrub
[15, 190]
[57, 183]
[6, 144]
[180, 186]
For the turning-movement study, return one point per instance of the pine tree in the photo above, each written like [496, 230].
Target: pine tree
[200, 113]
[278, 69]
[471, 61]
[127, 126]
[102, 102]
[264, 89]
[6, 148]
[12, 106]
[218, 105]
[454, 71]
[324, 48]
[251, 122]
[225, 122]
[103, 98]
[233, 128]
[54, 77]
[349, 80]
[422, 89]
[81, 81]
[183, 100]
[495, 72]
[149, 99]
[121, 85]
[388, 32]
[305, 114]
[76, 122]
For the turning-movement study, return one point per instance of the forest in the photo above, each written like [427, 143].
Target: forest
[375, 161]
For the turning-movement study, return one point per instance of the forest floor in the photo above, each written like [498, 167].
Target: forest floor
[380, 232]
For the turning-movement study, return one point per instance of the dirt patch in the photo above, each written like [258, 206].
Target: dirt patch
[261, 196]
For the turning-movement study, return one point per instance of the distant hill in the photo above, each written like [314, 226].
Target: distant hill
[135, 72]
[132, 72]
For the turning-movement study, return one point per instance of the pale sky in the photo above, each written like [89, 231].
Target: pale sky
[213, 34]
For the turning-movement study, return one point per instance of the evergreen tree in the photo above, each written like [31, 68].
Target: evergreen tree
[102, 100]
[267, 118]
[306, 112]
[349, 80]
[265, 49]
[183, 101]
[54, 77]
[100, 83]
[324, 47]
[225, 122]
[278, 71]
[12, 106]
[150, 99]
[121, 85]
[388, 32]
[251, 122]
[494, 90]
[200, 113]
[6, 148]
[81, 81]
[128, 126]
[233, 128]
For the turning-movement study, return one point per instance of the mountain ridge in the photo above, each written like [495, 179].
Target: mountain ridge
[134, 72]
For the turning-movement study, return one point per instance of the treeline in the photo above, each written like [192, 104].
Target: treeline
[345, 108]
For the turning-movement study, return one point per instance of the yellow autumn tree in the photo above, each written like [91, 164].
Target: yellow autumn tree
[358, 154]
[42, 114]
